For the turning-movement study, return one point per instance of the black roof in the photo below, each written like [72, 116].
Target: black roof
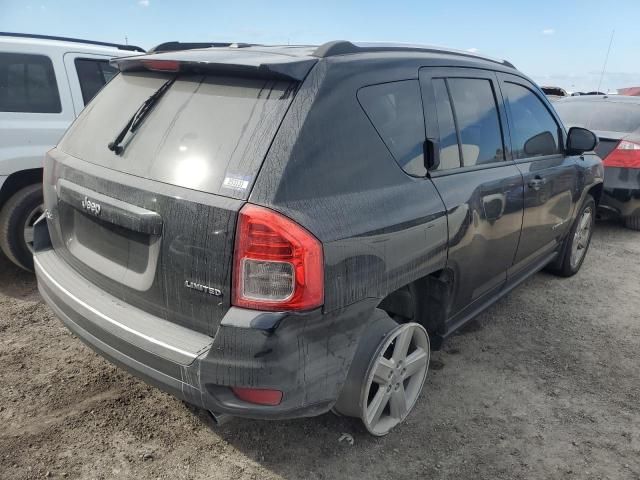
[343, 47]
[131, 48]
[329, 49]
[291, 62]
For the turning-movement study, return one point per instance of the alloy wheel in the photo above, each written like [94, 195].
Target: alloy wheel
[581, 237]
[395, 378]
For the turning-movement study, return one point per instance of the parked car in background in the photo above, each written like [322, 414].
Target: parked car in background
[44, 84]
[630, 91]
[554, 93]
[616, 121]
[274, 232]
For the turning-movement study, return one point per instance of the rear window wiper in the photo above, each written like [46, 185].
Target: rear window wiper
[138, 117]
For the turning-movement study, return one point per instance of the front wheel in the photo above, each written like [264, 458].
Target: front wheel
[577, 243]
[387, 375]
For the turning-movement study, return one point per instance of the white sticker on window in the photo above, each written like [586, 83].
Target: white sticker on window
[236, 182]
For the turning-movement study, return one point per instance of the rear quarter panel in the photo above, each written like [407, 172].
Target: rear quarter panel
[329, 170]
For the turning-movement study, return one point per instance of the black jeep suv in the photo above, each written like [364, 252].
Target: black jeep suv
[274, 232]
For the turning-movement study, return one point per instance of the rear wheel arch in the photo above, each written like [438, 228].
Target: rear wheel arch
[426, 301]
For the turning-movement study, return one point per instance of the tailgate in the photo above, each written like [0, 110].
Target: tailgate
[153, 224]
[145, 243]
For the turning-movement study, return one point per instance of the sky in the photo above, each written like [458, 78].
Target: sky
[556, 42]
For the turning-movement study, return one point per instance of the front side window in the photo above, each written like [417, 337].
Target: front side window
[93, 75]
[476, 113]
[534, 132]
[395, 110]
[28, 84]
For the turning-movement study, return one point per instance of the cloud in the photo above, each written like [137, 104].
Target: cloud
[548, 31]
[144, 3]
[472, 50]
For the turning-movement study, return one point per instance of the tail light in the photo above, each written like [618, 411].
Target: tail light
[259, 396]
[278, 265]
[625, 155]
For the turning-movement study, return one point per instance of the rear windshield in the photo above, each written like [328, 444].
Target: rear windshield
[207, 133]
[600, 115]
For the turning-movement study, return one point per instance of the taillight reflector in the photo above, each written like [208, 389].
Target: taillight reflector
[278, 265]
[259, 396]
[625, 155]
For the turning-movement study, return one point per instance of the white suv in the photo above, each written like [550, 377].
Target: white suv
[44, 84]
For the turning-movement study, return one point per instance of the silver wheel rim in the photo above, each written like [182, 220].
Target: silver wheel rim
[581, 237]
[28, 226]
[395, 378]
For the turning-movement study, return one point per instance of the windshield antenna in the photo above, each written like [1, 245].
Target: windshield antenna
[606, 59]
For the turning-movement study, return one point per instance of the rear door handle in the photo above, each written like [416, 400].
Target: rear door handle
[537, 183]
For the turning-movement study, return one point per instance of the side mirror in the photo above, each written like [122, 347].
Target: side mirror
[541, 144]
[581, 140]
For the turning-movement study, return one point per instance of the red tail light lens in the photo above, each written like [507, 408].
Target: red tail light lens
[625, 155]
[258, 396]
[278, 265]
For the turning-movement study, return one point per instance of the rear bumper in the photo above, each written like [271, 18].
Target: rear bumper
[307, 356]
[621, 194]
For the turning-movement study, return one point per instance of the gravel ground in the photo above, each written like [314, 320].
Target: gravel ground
[545, 384]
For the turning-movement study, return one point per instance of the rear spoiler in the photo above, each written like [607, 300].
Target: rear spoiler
[231, 61]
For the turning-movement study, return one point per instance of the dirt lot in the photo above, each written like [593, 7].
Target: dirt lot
[545, 384]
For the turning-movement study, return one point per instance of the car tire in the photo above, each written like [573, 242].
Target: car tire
[576, 245]
[387, 374]
[16, 220]
[632, 223]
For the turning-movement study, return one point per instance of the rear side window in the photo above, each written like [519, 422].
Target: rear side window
[534, 132]
[395, 110]
[476, 113]
[28, 84]
[93, 75]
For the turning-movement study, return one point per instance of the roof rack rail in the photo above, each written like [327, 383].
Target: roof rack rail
[344, 47]
[175, 46]
[131, 48]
